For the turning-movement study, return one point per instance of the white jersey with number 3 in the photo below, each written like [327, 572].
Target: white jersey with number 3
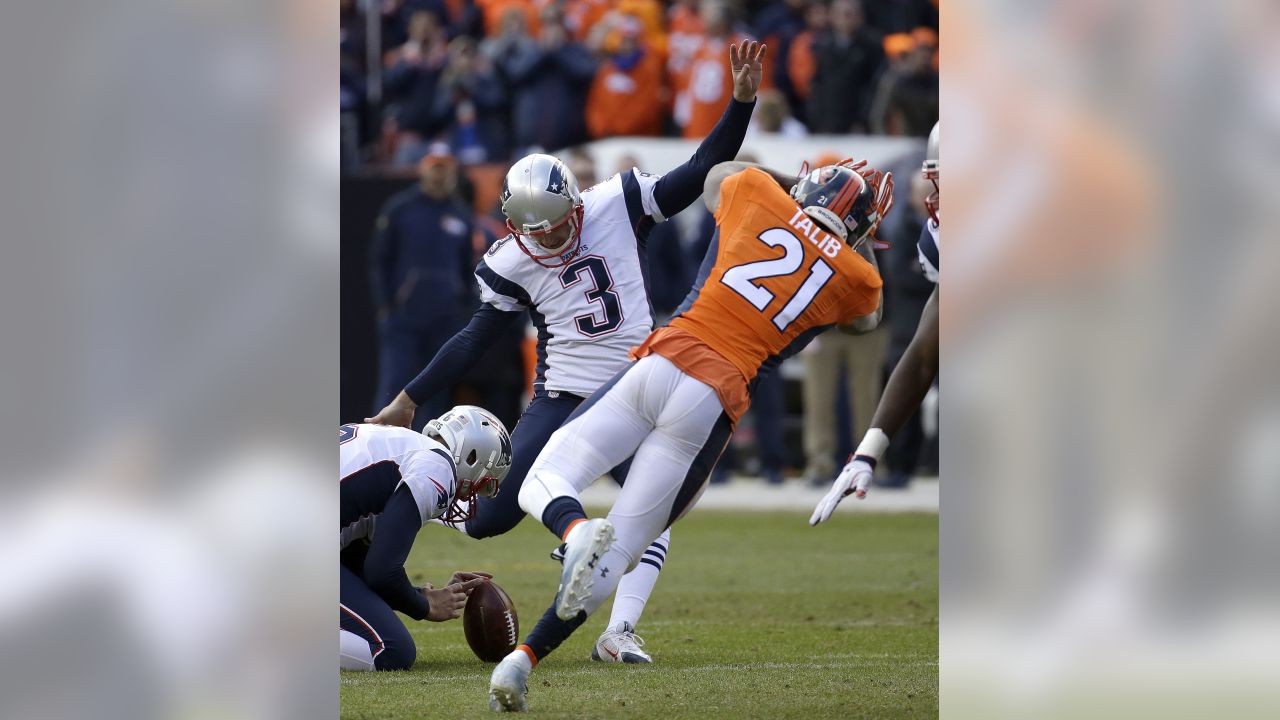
[592, 310]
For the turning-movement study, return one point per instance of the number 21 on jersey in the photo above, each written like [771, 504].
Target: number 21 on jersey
[742, 278]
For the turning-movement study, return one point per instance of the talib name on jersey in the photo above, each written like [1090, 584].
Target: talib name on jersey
[829, 246]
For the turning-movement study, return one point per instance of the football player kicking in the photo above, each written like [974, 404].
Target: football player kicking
[576, 262]
[393, 481]
[913, 375]
[785, 267]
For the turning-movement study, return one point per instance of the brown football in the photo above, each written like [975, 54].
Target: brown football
[490, 622]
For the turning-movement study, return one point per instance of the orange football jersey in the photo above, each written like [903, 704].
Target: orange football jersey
[776, 275]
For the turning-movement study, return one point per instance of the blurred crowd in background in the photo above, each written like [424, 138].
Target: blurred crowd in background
[497, 79]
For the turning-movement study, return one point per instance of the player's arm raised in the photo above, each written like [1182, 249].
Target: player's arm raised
[679, 188]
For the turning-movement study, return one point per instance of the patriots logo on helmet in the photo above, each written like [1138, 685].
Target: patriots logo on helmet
[555, 179]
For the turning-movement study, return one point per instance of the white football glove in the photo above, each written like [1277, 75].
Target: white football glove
[852, 480]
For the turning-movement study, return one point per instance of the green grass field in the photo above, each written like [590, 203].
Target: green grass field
[756, 615]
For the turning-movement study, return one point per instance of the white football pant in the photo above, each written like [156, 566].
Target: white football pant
[676, 429]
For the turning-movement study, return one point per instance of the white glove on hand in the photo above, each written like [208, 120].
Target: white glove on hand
[852, 480]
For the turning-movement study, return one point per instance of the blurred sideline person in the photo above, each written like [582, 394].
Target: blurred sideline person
[914, 374]
[420, 272]
[847, 57]
[410, 81]
[392, 481]
[471, 105]
[861, 359]
[675, 407]
[906, 97]
[576, 262]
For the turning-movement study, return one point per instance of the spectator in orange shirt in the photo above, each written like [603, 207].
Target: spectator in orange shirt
[628, 96]
[603, 36]
[709, 84]
[684, 37]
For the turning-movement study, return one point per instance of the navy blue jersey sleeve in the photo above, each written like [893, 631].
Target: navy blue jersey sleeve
[679, 188]
[461, 353]
[398, 524]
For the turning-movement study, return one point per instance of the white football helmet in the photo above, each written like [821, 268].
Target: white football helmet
[540, 197]
[930, 170]
[481, 449]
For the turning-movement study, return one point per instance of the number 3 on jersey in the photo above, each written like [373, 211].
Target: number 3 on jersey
[601, 292]
[741, 278]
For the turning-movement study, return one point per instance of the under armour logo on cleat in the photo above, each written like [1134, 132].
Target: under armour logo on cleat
[604, 573]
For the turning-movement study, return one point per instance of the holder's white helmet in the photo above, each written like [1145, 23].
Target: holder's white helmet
[481, 450]
[540, 198]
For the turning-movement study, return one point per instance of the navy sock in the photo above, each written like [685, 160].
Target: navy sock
[560, 513]
[551, 631]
